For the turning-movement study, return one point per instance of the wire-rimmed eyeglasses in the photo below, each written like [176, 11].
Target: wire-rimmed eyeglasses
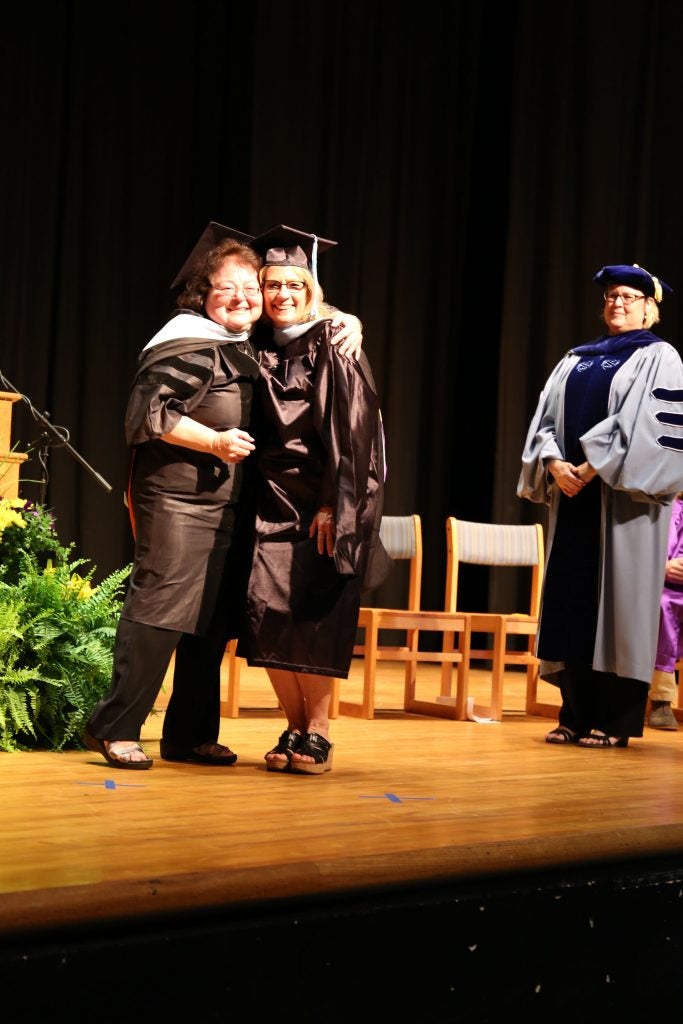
[627, 298]
[275, 286]
[229, 291]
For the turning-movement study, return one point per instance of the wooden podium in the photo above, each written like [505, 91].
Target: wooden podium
[10, 462]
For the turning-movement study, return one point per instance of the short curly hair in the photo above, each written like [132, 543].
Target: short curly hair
[199, 283]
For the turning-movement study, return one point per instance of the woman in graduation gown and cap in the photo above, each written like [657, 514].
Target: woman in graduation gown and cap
[188, 427]
[320, 485]
[605, 451]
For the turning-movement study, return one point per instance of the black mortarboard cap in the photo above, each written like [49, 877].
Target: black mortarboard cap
[283, 246]
[637, 277]
[212, 234]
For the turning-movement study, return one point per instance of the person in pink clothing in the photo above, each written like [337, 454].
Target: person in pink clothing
[663, 689]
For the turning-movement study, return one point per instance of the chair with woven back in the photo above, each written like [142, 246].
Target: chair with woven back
[499, 545]
[402, 538]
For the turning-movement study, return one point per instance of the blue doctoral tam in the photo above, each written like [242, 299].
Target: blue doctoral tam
[637, 277]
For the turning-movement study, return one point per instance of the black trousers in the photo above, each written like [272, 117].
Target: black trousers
[141, 657]
[602, 700]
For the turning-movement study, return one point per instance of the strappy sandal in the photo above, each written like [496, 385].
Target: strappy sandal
[600, 740]
[319, 749]
[117, 753]
[287, 744]
[217, 755]
[562, 735]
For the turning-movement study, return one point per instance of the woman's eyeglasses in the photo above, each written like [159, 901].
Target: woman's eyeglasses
[272, 287]
[229, 291]
[627, 298]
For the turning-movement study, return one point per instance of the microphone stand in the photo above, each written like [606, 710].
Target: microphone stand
[52, 436]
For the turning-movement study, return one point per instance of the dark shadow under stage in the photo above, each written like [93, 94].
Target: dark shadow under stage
[442, 870]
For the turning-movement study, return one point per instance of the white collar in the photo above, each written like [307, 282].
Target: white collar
[189, 325]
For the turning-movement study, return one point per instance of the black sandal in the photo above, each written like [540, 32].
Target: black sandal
[224, 758]
[600, 740]
[287, 744]
[317, 747]
[562, 735]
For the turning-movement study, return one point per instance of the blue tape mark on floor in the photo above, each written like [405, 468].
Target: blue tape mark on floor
[392, 798]
[110, 784]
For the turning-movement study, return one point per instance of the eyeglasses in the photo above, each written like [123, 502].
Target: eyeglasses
[628, 298]
[274, 286]
[229, 291]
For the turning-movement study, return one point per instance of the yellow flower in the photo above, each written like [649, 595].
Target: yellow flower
[8, 515]
[81, 587]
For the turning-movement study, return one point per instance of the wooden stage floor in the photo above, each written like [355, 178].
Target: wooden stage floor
[417, 811]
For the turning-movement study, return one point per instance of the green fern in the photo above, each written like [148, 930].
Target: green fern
[57, 635]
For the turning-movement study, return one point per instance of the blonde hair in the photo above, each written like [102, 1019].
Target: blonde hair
[651, 315]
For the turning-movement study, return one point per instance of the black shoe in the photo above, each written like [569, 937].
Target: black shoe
[193, 755]
[562, 735]
[318, 747]
[599, 740]
[287, 744]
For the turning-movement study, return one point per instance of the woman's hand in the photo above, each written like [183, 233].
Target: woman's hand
[232, 445]
[586, 472]
[323, 526]
[674, 570]
[229, 445]
[350, 337]
[567, 476]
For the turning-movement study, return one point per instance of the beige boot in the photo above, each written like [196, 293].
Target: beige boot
[662, 716]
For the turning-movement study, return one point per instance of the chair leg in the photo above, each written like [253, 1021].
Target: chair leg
[366, 708]
[369, 672]
[498, 672]
[462, 671]
[230, 708]
[410, 676]
[531, 688]
[334, 699]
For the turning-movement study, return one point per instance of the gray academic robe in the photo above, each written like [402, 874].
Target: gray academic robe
[637, 451]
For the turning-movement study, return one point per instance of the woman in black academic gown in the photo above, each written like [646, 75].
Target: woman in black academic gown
[320, 494]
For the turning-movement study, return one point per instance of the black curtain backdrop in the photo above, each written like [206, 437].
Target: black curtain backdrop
[476, 166]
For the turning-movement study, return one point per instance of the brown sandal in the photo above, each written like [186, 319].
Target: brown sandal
[117, 753]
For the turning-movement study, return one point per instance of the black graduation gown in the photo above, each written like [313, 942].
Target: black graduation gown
[182, 502]
[319, 442]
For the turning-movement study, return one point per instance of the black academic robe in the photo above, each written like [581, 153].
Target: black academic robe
[319, 442]
[183, 502]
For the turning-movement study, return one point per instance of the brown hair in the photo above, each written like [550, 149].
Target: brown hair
[198, 284]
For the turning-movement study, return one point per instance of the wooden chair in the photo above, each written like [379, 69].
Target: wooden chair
[402, 537]
[493, 544]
